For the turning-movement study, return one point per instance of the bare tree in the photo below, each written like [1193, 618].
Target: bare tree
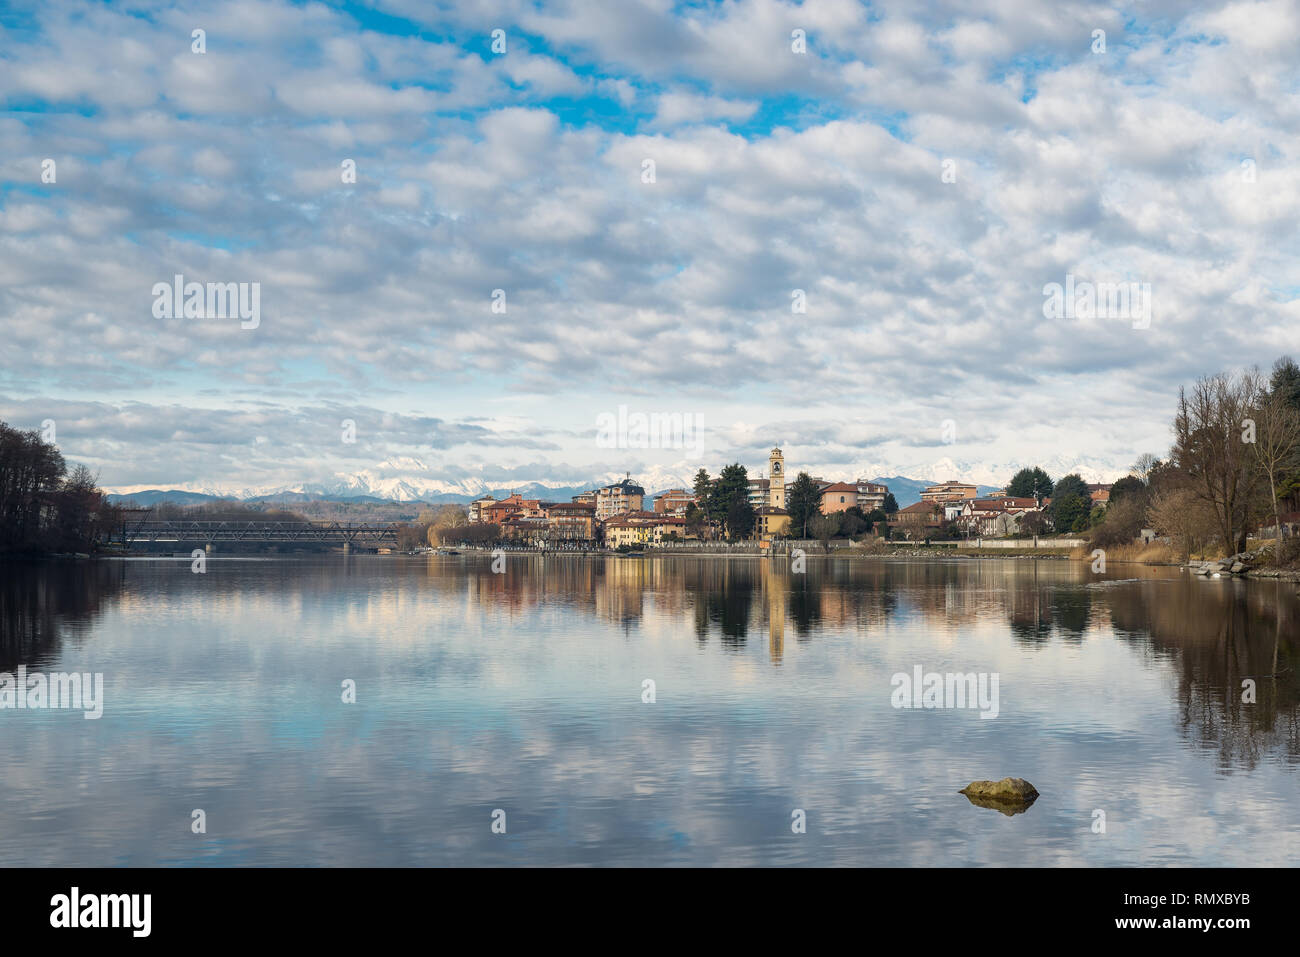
[1215, 435]
[1141, 469]
[1277, 444]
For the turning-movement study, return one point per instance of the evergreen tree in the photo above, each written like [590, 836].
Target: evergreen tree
[804, 503]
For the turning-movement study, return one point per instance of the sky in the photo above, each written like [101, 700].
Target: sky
[827, 224]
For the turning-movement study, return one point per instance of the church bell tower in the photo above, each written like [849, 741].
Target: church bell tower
[776, 479]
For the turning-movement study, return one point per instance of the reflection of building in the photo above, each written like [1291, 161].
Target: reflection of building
[774, 582]
[616, 499]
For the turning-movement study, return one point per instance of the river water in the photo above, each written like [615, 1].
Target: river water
[647, 711]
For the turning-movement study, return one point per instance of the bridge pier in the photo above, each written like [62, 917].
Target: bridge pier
[208, 548]
[347, 548]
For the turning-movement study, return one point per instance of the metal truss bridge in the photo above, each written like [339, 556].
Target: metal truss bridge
[317, 533]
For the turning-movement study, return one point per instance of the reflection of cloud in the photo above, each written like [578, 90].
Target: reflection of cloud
[522, 691]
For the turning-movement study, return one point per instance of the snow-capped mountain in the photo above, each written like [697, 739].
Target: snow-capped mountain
[410, 479]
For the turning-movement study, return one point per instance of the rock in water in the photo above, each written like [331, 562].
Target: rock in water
[1010, 795]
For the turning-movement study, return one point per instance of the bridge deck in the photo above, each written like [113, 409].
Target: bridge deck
[330, 533]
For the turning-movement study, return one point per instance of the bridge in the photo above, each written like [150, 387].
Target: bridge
[314, 533]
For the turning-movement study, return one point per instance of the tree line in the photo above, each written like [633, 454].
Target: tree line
[1233, 467]
[44, 506]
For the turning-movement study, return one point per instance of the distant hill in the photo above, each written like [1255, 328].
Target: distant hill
[154, 495]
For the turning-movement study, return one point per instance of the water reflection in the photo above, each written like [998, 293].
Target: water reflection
[522, 690]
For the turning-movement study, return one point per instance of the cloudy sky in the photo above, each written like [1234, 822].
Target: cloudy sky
[919, 171]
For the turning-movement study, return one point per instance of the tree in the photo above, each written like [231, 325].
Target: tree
[1128, 486]
[803, 502]
[1033, 523]
[726, 498]
[1177, 512]
[1071, 504]
[703, 489]
[695, 520]
[444, 523]
[825, 527]
[1143, 468]
[1123, 521]
[740, 519]
[1211, 447]
[890, 505]
[1285, 381]
[854, 522]
[1030, 483]
[1277, 444]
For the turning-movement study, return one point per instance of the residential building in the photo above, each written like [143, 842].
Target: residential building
[871, 495]
[619, 498]
[1100, 494]
[917, 520]
[476, 508]
[675, 501]
[620, 530]
[759, 492]
[571, 522]
[512, 505]
[949, 491]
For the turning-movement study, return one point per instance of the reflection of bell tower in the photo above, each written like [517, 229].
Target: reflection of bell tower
[776, 479]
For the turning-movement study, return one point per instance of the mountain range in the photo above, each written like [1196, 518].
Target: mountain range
[409, 479]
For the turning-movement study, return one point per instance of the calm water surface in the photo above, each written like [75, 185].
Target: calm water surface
[523, 692]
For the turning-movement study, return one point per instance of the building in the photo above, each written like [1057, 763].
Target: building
[771, 522]
[571, 522]
[839, 497]
[1100, 494]
[871, 495]
[476, 508]
[626, 531]
[585, 498]
[669, 528]
[990, 516]
[618, 499]
[513, 505]
[949, 491]
[776, 478]
[759, 490]
[675, 501]
[920, 519]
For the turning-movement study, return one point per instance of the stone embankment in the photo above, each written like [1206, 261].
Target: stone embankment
[1250, 564]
